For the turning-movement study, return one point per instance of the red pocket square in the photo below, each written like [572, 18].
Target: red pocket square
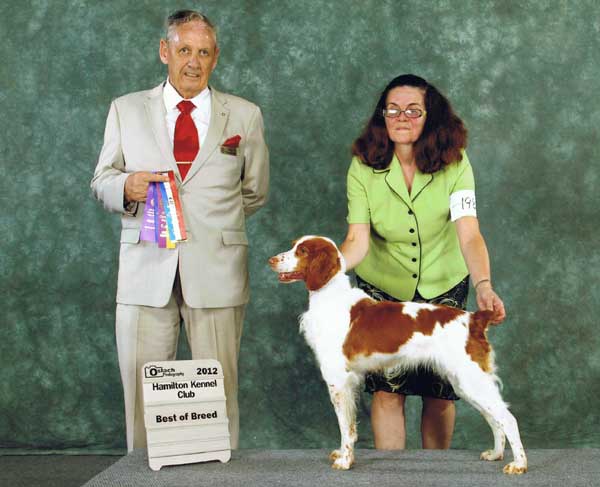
[232, 141]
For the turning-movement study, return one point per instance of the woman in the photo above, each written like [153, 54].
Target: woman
[413, 235]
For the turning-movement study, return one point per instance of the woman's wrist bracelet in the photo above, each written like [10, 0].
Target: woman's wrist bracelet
[479, 282]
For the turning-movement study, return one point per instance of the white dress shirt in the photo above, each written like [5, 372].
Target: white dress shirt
[200, 115]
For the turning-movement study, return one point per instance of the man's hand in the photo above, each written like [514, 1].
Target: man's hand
[488, 299]
[136, 184]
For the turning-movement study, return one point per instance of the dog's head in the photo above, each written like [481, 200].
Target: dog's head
[314, 260]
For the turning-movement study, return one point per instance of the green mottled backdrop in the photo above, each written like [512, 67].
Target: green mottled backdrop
[524, 75]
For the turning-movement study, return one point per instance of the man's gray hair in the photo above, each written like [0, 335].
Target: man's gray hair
[183, 17]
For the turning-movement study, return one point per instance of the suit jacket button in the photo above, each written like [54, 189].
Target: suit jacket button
[414, 276]
[412, 230]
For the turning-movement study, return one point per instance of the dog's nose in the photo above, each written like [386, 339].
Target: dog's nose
[273, 261]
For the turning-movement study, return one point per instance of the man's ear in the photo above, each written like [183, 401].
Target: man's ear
[163, 51]
[217, 52]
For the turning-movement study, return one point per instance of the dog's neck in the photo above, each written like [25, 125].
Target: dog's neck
[338, 284]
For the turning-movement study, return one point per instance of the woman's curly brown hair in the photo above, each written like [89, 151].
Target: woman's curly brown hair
[444, 134]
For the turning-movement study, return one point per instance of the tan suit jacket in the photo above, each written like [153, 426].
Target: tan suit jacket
[219, 192]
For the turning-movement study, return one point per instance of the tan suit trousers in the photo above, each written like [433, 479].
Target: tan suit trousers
[147, 334]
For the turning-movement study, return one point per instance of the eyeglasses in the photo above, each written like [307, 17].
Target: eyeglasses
[409, 112]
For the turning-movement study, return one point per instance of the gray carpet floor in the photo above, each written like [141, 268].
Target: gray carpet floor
[51, 470]
[373, 468]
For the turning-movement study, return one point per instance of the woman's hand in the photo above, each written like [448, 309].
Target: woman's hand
[476, 257]
[488, 299]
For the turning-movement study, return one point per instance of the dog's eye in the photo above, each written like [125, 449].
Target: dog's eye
[302, 251]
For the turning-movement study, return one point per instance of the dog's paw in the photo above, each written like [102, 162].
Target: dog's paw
[341, 464]
[343, 461]
[334, 455]
[491, 455]
[514, 468]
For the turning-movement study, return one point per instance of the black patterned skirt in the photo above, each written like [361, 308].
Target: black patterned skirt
[420, 381]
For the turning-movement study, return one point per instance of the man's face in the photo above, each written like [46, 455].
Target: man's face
[191, 55]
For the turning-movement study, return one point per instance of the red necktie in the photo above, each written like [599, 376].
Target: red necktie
[185, 143]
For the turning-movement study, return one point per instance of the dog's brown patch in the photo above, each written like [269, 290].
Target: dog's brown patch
[478, 346]
[318, 260]
[383, 327]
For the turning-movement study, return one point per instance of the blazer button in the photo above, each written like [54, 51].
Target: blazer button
[413, 259]
[414, 244]
[410, 212]
[414, 276]
[412, 230]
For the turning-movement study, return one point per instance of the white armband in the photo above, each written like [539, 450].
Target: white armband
[462, 203]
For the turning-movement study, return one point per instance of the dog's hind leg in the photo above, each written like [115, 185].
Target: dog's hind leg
[497, 453]
[499, 440]
[479, 389]
[342, 392]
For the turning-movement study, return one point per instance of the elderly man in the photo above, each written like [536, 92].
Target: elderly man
[214, 144]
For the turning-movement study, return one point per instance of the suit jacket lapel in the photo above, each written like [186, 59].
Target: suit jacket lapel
[419, 183]
[395, 180]
[155, 108]
[218, 119]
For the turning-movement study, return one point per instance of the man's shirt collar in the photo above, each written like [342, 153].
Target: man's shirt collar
[172, 98]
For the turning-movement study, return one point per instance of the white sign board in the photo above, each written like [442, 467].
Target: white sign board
[184, 412]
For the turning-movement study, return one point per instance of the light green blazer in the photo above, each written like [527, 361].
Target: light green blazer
[413, 244]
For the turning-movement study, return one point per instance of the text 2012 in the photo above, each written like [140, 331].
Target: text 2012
[206, 371]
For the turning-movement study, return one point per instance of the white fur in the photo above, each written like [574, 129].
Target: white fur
[325, 325]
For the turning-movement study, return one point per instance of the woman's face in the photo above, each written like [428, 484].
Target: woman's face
[401, 129]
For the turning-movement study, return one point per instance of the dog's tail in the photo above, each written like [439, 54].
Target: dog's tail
[478, 346]
[482, 319]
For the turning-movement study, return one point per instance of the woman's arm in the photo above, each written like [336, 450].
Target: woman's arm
[477, 259]
[356, 246]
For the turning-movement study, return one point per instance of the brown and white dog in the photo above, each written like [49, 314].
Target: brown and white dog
[351, 334]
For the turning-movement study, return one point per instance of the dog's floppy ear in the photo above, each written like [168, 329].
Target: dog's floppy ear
[323, 265]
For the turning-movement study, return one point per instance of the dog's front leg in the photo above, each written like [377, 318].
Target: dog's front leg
[342, 392]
